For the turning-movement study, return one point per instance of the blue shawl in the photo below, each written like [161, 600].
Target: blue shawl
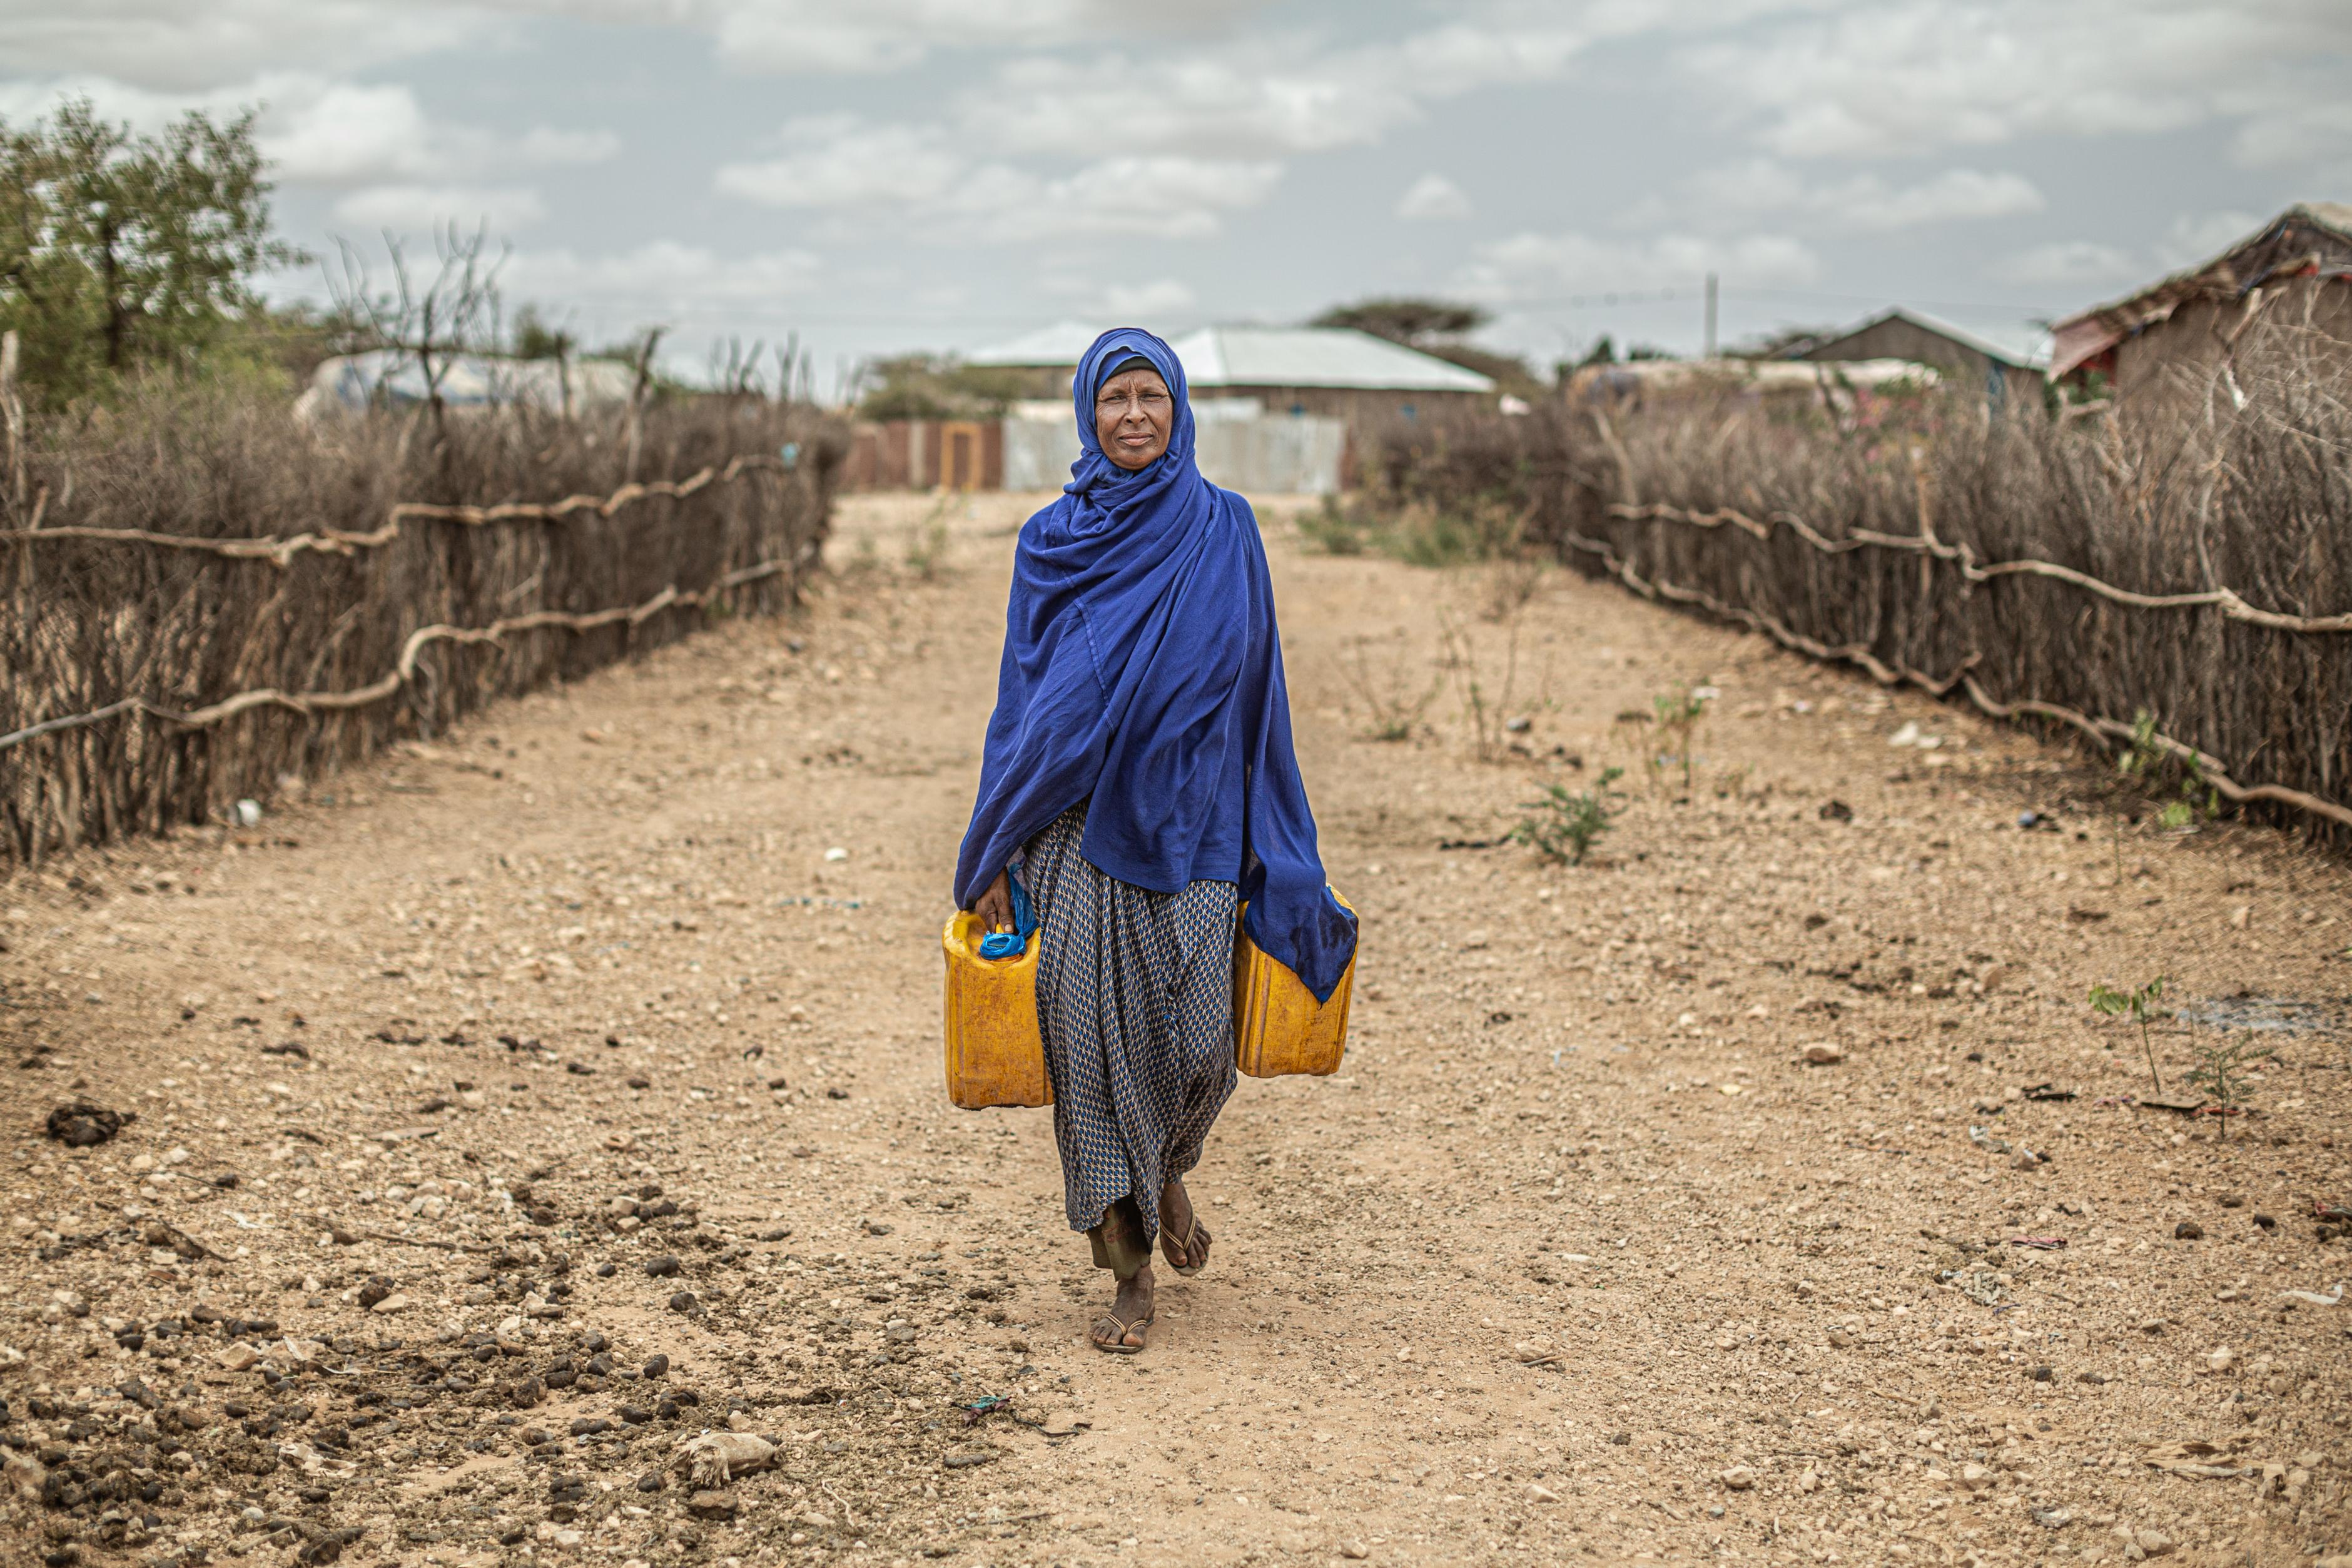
[1142, 674]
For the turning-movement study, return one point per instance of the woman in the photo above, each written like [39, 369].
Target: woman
[1139, 783]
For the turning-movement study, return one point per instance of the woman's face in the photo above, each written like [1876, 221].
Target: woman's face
[1133, 414]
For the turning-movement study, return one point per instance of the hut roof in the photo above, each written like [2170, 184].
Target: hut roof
[2309, 239]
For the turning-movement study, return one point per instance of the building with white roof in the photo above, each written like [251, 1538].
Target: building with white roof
[1330, 371]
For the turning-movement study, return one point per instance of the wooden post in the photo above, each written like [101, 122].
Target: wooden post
[12, 407]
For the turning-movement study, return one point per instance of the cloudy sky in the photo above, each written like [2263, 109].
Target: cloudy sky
[890, 173]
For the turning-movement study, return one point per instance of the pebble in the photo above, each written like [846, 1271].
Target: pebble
[711, 1505]
[395, 1302]
[663, 1267]
[2188, 1230]
[1354, 1550]
[1823, 1053]
[1738, 1478]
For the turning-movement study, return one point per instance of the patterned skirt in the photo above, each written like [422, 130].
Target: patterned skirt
[1135, 1002]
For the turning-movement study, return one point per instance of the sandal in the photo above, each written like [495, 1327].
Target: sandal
[1193, 1261]
[1115, 1344]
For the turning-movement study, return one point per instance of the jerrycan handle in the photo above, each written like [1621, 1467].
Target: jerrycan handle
[1011, 944]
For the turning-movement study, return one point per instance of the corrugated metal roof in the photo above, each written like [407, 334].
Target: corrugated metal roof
[1063, 343]
[2308, 234]
[1316, 357]
[1927, 323]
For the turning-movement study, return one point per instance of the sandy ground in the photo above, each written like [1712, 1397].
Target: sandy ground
[605, 1029]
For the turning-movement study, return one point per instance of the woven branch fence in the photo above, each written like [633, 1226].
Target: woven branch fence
[205, 597]
[2082, 572]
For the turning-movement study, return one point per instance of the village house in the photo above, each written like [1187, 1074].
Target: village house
[2165, 350]
[1330, 372]
[1962, 358]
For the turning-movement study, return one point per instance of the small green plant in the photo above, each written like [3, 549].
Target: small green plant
[926, 543]
[2219, 1072]
[1396, 707]
[1461, 661]
[1335, 530]
[1678, 713]
[2141, 1005]
[2155, 766]
[1562, 826]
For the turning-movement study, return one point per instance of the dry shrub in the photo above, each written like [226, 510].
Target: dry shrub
[2256, 498]
[1454, 488]
[91, 623]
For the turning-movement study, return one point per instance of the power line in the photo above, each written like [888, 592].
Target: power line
[1614, 298]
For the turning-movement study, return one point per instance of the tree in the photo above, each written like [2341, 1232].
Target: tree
[927, 386]
[535, 338]
[1416, 323]
[1435, 328]
[119, 252]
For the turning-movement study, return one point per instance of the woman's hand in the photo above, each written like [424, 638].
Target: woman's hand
[994, 906]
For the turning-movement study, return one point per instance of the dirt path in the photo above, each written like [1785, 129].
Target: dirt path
[1576, 1259]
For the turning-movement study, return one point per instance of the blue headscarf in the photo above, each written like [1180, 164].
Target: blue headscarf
[1142, 674]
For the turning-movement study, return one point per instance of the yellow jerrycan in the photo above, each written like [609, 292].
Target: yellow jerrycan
[995, 1056]
[1278, 1026]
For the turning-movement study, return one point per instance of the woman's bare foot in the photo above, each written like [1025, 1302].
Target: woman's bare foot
[1183, 1239]
[1120, 1330]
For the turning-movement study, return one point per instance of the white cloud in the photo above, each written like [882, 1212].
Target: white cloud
[343, 133]
[838, 161]
[1137, 300]
[2201, 237]
[545, 145]
[808, 37]
[659, 277]
[1239, 102]
[2079, 261]
[1433, 198]
[1172, 198]
[914, 173]
[415, 209]
[1900, 76]
[1736, 193]
[1867, 202]
[321, 131]
[1532, 266]
[186, 47]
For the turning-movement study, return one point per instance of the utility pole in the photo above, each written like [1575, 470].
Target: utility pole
[1710, 316]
